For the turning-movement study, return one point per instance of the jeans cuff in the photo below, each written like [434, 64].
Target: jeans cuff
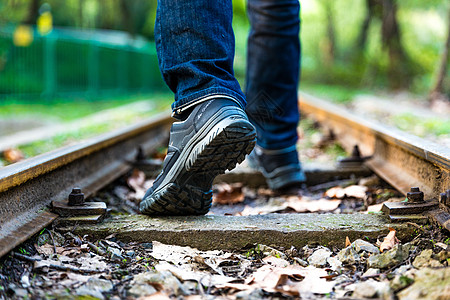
[278, 146]
[183, 103]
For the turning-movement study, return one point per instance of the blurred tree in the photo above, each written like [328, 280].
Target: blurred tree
[33, 12]
[373, 11]
[438, 90]
[331, 32]
[400, 71]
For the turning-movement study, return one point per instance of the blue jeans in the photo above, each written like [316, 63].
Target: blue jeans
[195, 46]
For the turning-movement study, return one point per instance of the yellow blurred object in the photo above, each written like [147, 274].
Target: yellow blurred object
[23, 36]
[45, 23]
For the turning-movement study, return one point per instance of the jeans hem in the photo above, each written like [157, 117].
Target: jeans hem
[210, 93]
[277, 146]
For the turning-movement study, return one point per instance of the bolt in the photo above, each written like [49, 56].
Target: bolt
[443, 199]
[415, 195]
[355, 157]
[76, 197]
[140, 154]
[356, 153]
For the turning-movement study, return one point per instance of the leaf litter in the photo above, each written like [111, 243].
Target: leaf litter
[70, 266]
[159, 271]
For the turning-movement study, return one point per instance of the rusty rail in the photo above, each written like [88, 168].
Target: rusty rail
[27, 187]
[402, 159]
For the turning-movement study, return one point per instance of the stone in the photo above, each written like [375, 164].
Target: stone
[389, 258]
[116, 254]
[348, 255]
[85, 292]
[428, 284]
[255, 294]
[372, 289]
[130, 253]
[45, 238]
[102, 285]
[425, 260]
[335, 264]
[165, 279]
[402, 269]
[369, 181]
[319, 257]
[147, 245]
[236, 232]
[400, 282]
[443, 255]
[360, 245]
[269, 251]
[141, 290]
[371, 272]
[300, 262]
[21, 293]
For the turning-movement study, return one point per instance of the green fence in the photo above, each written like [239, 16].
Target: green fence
[69, 62]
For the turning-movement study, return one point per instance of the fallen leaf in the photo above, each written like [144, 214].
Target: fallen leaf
[12, 155]
[374, 208]
[352, 191]
[347, 242]
[156, 296]
[300, 205]
[138, 183]
[276, 261]
[136, 180]
[389, 241]
[45, 249]
[228, 194]
[287, 280]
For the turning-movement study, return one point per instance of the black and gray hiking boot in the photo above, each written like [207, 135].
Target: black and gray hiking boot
[281, 168]
[212, 139]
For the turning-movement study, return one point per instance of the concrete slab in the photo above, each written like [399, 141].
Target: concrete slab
[236, 232]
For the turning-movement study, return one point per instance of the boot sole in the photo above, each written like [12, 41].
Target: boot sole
[188, 191]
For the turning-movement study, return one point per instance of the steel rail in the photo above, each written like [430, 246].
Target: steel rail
[402, 159]
[28, 187]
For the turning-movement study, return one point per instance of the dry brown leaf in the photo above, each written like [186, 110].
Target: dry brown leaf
[352, 191]
[286, 280]
[347, 242]
[374, 208]
[276, 261]
[13, 155]
[229, 194]
[136, 180]
[389, 241]
[300, 205]
[155, 296]
[138, 183]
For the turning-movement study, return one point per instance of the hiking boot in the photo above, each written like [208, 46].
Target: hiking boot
[281, 168]
[212, 139]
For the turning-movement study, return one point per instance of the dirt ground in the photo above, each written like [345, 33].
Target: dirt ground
[53, 265]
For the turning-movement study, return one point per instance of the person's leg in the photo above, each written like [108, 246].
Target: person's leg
[195, 46]
[273, 67]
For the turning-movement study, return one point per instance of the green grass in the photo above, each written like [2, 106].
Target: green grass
[335, 93]
[421, 126]
[71, 109]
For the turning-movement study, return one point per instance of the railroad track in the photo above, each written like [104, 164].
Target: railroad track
[27, 188]
[405, 161]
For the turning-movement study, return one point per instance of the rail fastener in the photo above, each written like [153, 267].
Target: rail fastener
[75, 210]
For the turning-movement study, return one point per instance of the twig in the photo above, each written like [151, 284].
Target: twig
[25, 257]
[416, 225]
[95, 248]
[54, 266]
[53, 240]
